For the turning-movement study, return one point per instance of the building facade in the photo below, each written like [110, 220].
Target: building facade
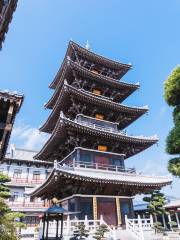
[10, 104]
[7, 8]
[25, 174]
[88, 143]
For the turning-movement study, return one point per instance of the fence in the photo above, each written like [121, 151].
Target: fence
[138, 226]
[69, 226]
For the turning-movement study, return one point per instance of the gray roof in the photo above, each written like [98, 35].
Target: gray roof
[20, 154]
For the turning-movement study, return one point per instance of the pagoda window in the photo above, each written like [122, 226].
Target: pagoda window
[96, 91]
[86, 208]
[102, 148]
[117, 162]
[125, 208]
[101, 160]
[36, 175]
[17, 173]
[85, 157]
[72, 205]
[64, 204]
[99, 116]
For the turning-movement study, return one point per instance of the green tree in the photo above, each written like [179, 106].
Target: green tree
[156, 202]
[172, 88]
[172, 97]
[99, 234]
[81, 232]
[9, 221]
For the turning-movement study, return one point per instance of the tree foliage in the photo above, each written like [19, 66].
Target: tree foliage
[81, 232]
[172, 97]
[172, 88]
[174, 166]
[99, 234]
[173, 141]
[9, 221]
[156, 202]
[176, 115]
[4, 190]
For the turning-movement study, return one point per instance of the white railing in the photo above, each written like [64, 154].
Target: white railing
[98, 127]
[138, 226]
[99, 166]
[69, 226]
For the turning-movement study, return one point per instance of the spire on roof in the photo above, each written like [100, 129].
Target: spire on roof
[87, 45]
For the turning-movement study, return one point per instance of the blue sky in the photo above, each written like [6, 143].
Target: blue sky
[145, 33]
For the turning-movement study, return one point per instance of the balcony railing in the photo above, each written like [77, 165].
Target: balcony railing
[27, 205]
[103, 167]
[27, 181]
[98, 127]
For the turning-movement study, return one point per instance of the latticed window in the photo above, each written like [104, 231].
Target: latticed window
[36, 175]
[85, 157]
[17, 173]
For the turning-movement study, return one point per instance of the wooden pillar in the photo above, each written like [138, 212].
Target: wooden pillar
[44, 222]
[61, 236]
[118, 209]
[57, 228]
[47, 226]
[94, 207]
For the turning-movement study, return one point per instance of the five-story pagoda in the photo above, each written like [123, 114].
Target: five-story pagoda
[87, 142]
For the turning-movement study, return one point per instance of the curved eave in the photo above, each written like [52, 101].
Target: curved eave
[90, 75]
[121, 179]
[6, 19]
[12, 97]
[59, 133]
[97, 58]
[89, 97]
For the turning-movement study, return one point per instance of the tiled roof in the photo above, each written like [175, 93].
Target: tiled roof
[117, 176]
[21, 154]
[99, 177]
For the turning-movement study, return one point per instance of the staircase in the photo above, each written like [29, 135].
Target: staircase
[140, 228]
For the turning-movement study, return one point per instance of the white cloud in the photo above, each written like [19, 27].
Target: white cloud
[27, 137]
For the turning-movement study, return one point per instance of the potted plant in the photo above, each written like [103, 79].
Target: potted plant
[158, 227]
[80, 233]
[173, 225]
[99, 234]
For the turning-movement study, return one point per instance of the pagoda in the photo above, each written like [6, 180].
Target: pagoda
[88, 143]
